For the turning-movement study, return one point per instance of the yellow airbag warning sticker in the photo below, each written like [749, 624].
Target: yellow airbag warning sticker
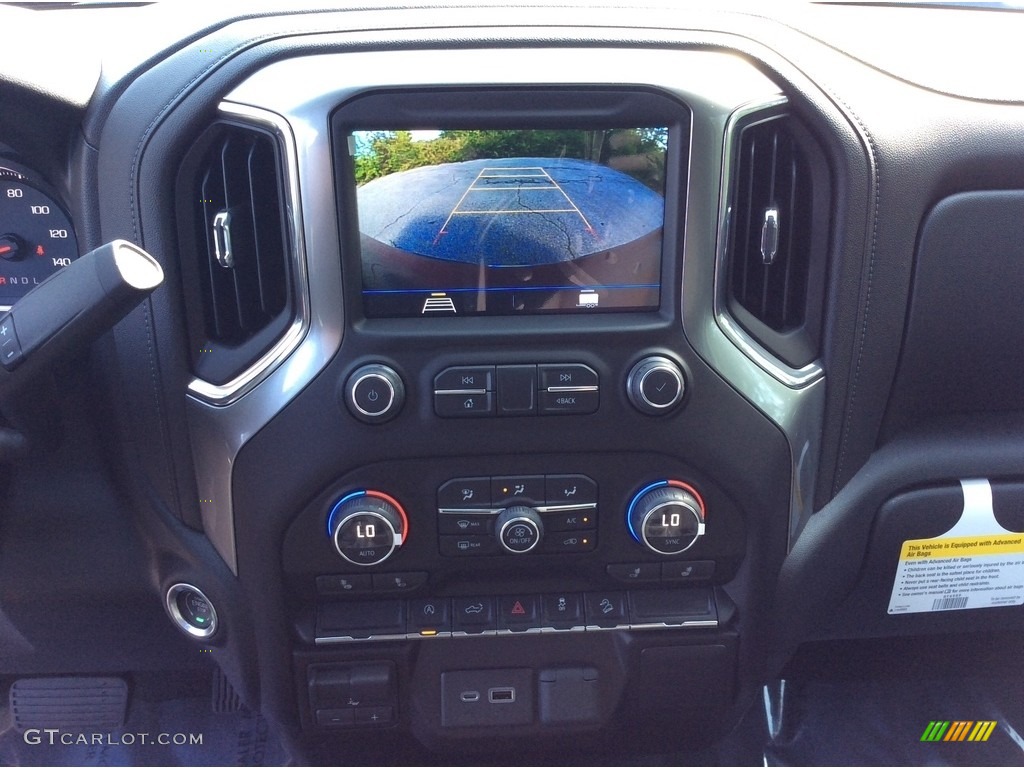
[977, 564]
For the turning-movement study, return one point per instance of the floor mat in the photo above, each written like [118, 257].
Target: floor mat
[163, 727]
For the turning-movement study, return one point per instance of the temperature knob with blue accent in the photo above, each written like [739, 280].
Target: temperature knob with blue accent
[367, 527]
[667, 517]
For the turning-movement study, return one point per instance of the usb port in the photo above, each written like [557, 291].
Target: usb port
[470, 696]
[501, 695]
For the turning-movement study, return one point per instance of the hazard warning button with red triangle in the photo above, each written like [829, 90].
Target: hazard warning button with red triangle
[518, 612]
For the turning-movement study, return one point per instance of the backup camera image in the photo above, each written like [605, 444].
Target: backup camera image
[501, 222]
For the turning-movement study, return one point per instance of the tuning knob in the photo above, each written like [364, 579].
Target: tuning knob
[367, 527]
[655, 385]
[667, 517]
[519, 529]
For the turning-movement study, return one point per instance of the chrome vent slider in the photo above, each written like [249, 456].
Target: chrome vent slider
[770, 235]
[222, 239]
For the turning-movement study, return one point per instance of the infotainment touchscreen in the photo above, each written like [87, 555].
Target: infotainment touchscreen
[505, 222]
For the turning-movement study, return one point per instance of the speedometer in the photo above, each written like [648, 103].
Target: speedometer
[36, 236]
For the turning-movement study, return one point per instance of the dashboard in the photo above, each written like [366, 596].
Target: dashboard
[514, 379]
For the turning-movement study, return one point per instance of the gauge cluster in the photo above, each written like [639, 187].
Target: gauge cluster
[37, 237]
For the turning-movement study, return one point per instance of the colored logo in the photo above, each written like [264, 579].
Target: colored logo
[959, 730]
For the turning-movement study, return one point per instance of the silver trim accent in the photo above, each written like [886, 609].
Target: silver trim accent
[543, 509]
[506, 632]
[390, 400]
[222, 240]
[793, 399]
[696, 623]
[349, 639]
[460, 391]
[553, 508]
[588, 388]
[171, 604]
[222, 419]
[531, 631]
[467, 511]
[247, 380]
[791, 377]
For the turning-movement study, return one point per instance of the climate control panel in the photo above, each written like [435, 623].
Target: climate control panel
[517, 515]
[580, 521]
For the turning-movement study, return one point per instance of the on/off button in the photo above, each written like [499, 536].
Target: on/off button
[373, 394]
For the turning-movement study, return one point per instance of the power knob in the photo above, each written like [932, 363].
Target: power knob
[374, 393]
[519, 529]
[667, 517]
[367, 527]
[655, 385]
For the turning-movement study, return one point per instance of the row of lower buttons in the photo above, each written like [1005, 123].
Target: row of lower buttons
[365, 583]
[516, 390]
[652, 573]
[584, 541]
[560, 612]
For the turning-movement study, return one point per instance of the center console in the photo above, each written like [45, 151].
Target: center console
[519, 498]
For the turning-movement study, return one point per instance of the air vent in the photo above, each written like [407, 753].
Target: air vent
[777, 235]
[234, 249]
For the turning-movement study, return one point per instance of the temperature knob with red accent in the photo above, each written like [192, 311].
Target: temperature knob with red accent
[367, 527]
[667, 517]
